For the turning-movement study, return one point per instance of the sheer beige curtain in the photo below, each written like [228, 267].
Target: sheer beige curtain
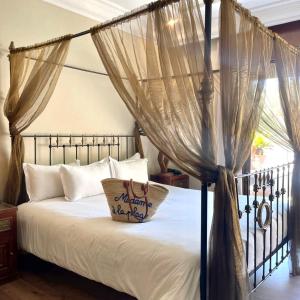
[245, 54]
[273, 128]
[34, 74]
[288, 70]
[272, 124]
[156, 63]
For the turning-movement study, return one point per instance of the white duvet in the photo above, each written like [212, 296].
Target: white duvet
[150, 261]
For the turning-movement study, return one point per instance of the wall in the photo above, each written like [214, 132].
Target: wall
[289, 31]
[82, 102]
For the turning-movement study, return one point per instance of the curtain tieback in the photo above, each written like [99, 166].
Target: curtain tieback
[226, 180]
[224, 173]
[15, 135]
[13, 131]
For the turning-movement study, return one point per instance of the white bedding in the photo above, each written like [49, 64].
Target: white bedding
[151, 261]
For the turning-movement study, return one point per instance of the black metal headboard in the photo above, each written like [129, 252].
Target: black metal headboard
[63, 148]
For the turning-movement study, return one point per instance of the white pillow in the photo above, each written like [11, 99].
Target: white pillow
[83, 181]
[112, 170]
[106, 159]
[43, 182]
[135, 169]
[134, 157]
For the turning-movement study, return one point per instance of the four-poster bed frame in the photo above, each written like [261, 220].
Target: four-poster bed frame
[263, 180]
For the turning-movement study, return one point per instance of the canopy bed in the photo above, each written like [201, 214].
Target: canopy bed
[159, 60]
[264, 248]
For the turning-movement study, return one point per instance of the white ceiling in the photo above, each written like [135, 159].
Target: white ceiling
[270, 12]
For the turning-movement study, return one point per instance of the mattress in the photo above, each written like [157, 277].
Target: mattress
[155, 260]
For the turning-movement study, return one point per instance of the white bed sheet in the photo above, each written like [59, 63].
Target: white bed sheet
[150, 261]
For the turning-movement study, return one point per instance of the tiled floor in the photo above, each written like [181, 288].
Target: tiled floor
[280, 286]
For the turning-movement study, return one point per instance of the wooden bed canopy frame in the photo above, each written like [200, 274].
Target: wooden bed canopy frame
[261, 179]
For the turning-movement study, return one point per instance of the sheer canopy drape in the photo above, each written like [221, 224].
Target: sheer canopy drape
[288, 69]
[272, 123]
[34, 74]
[272, 127]
[245, 54]
[156, 63]
[286, 131]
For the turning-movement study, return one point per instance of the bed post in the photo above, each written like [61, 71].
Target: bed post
[203, 254]
[204, 186]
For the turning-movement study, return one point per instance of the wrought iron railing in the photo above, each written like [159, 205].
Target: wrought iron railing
[263, 207]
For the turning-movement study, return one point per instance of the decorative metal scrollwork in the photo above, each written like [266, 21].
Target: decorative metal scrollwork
[248, 209]
[271, 182]
[264, 224]
[255, 204]
[256, 187]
